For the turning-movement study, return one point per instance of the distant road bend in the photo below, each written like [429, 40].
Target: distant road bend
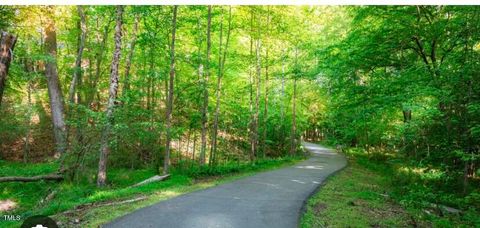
[269, 199]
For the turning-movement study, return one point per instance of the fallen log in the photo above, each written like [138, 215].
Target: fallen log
[123, 202]
[151, 179]
[83, 207]
[49, 177]
[447, 209]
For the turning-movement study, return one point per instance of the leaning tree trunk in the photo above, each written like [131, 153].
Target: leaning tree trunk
[77, 69]
[205, 91]
[54, 89]
[128, 65]
[7, 43]
[168, 119]
[104, 147]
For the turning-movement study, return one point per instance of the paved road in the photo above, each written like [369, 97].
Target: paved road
[269, 199]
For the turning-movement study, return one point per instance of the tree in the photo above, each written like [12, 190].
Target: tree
[7, 44]
[104, 146]
[168, 121]
[293, 135]
[205, 90]
[265, 103]
[53, 83]
[128, 65]
[221, 70]
[77, 70]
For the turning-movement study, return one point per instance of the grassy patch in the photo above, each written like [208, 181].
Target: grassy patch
[354, 197]
[381, 190]
[70, 195]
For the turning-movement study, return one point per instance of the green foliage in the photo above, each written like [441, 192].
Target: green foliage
[197, 171]
[402, 81]
[417, 187]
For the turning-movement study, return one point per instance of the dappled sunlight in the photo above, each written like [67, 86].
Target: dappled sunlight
[309, 167]
[169, 193]
[210, 220]
[267, 184]
[7, 205]
[423, 173]
[322, 152]
[297, 181]
[315, 149]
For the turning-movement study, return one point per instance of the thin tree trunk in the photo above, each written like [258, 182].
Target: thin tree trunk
[282, 108]
[128, 64]
[251, 82]
[104, 148]
[76, 82]
[188, 139]
[205, 91]
[221, 71]
[194, 146]
[98, 64]
[265, 108]
[26, 149]
[168, 122]
[7, 44]
[257, 95]
[294, 120]
[53, 83]
[293, 135]
[77, 69]
[217, 91]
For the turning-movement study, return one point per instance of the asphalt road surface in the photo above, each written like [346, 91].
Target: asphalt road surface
[268, 199]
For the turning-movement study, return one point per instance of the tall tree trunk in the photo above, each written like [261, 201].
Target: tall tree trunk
[282, 108]
[257, 95]
[76, 82]
[128, 64]
[53, 83]
[293, 140]
[294, 118]
[251, 82]
[265, 108]
[104, 147]
[217, 92]
[205, 91]
[7, 44]
[168, 121]
[221, 70]
[77, 70]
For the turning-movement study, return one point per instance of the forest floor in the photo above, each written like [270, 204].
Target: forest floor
[363, 195]
[82, 204]
[355, 196]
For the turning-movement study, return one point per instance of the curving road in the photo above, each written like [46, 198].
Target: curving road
[269, 199]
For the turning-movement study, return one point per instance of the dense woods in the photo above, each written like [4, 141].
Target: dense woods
[172, 88]
[146, 87]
